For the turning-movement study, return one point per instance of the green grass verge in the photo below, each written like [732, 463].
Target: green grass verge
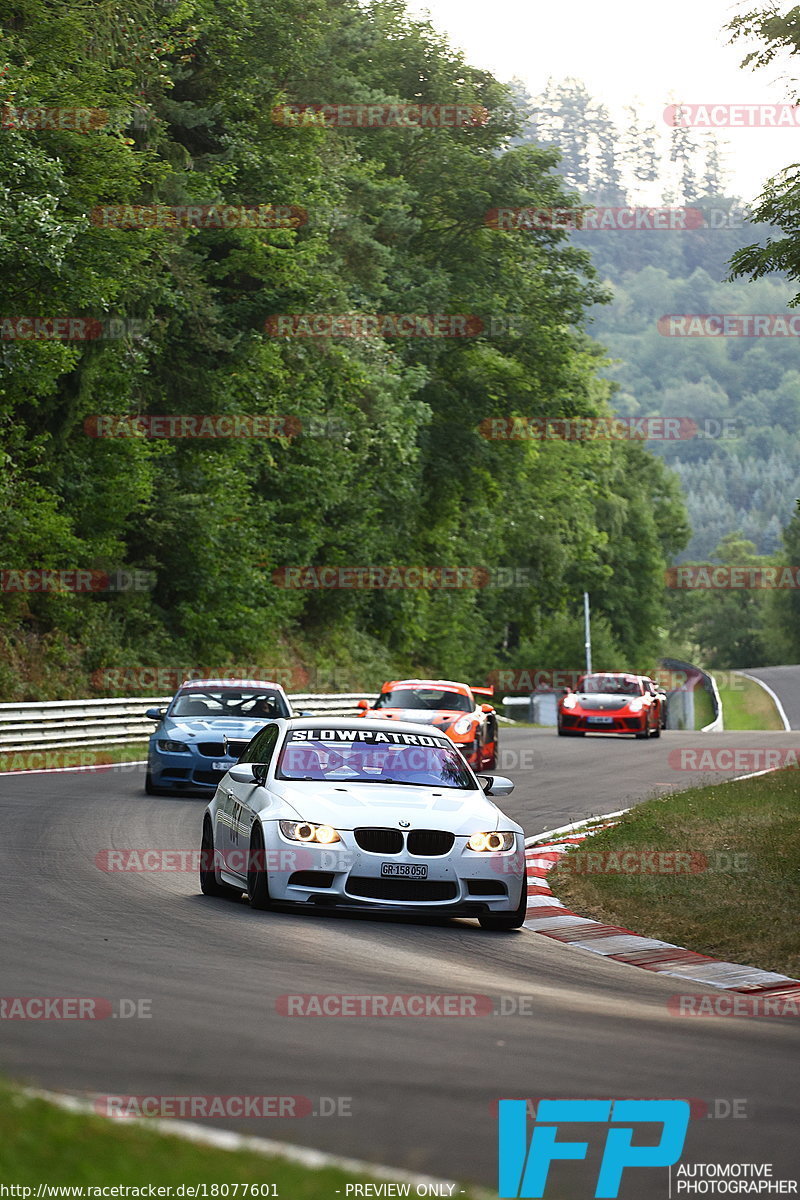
[745, 704]
[72, 756]
[41, 1143]
[742, 907]
[703, 708]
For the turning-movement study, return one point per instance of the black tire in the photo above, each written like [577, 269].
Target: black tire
[656, 732]
[493, 736]
[644, 735]
[503, 921]
[151, 789]
[209, 884]
[257, 882]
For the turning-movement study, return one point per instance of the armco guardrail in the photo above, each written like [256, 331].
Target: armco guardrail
[681, 702]
[62, 724]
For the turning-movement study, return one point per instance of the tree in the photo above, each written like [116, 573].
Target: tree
[779, 203]
[639, 145]
[726, 626]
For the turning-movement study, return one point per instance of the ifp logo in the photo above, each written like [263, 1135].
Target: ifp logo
[523, 1169]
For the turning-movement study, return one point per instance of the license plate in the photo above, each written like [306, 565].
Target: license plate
[220, 766]
[600, 720]
[406, 870]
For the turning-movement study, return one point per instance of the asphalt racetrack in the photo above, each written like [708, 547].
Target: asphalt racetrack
[410, 1092]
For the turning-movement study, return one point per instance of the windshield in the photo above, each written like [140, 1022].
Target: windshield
[347, 756]
[431, 699]
[611, 684]
[244, 703]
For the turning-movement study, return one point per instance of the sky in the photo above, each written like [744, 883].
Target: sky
[637, 52]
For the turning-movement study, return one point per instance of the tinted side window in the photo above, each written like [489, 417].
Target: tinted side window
[261, 746]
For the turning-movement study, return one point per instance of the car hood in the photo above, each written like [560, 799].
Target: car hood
[210, 728]
[604, 700]
[419, 716]
[386, 805]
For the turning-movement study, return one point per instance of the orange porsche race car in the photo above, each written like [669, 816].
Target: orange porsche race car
[611, 702]
[450, 707]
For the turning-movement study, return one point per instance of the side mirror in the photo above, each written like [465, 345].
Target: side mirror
[156, 714]
[243, 773]
[486, 708]
[363, 704]
[496, 785]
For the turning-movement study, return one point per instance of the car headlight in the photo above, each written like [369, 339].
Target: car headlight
[491, 843]
[168, 747]
[463, 725]
[304, 831]
[569, 701]
[636, 705]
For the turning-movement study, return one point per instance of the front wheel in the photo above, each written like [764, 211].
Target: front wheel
[257, 882]
[502, 921]
[656, 732]
[150, 787]
[644, 735]
[209, 884]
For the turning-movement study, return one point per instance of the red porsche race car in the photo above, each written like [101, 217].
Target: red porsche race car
[611, 702]
[452, 707]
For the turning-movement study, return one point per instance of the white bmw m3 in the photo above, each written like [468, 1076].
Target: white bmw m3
[352, 814]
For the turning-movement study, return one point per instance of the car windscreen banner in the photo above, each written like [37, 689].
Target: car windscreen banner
[373, 737]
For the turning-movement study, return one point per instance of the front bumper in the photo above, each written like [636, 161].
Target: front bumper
[610, 722]
[460, 881]
[186, 771]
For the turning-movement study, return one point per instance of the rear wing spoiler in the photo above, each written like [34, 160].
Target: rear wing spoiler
[482, 691]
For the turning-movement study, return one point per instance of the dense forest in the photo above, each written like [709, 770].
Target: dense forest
[744, 393]
[377, 457]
